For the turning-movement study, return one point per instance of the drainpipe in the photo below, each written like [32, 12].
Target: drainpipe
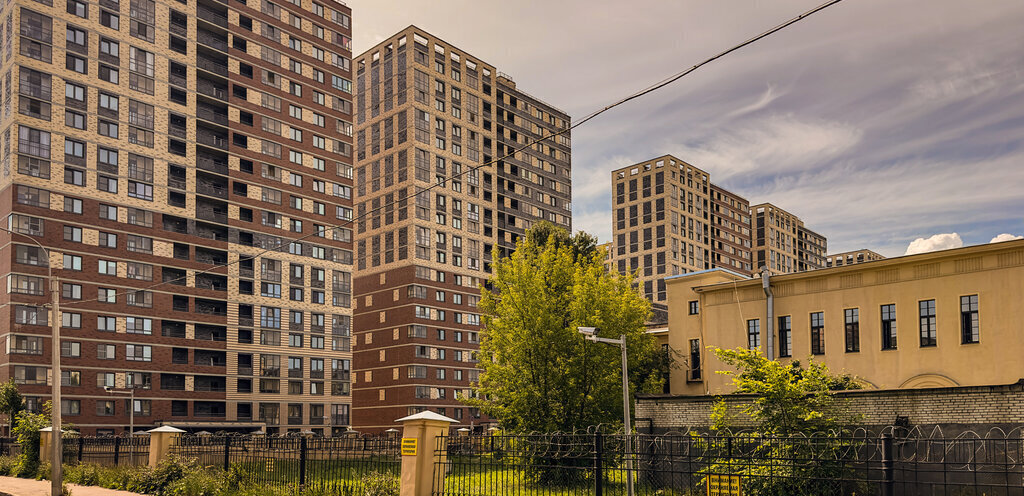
[769, 334]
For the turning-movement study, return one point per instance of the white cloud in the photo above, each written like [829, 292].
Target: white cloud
[771, 144]
[1005, 237]
[935, 243]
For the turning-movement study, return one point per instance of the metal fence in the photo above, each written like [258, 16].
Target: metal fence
[107, 450]
[595, 463]
[338, 465]
[9, 446]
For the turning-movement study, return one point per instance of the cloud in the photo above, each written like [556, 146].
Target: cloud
[934, 243]
[770, 145]
[1005, 237]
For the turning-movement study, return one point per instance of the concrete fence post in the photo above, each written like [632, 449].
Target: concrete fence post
[420, 452]
[45, 443]
[160, 440]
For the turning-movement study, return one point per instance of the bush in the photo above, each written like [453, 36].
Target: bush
[380, 484]
[7, 464]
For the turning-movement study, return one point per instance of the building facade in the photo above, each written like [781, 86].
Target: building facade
[782, 243]
[431, 209]
[731, 235]
[189, 228]
[947, 318]
[810, 249]
[661, 224]
[852, 257]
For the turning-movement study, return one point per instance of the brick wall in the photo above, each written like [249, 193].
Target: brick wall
[974, 405]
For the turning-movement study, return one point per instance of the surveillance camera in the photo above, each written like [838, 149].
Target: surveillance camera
[107, 388]
[587, 331]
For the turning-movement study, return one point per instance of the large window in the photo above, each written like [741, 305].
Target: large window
[889, 327]
[969, 328]
[754, 334]
[785, 336]
[926, 312]
[695, 370]
[852, 321]
[818, 333]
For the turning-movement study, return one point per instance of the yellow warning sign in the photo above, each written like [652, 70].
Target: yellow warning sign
[408, 446]
[724, 485]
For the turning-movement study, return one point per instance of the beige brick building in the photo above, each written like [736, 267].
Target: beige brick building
[430, 115]
[183, 169]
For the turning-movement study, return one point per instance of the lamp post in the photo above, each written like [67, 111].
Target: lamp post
[56, 470]
[591, 334]
[131, 405]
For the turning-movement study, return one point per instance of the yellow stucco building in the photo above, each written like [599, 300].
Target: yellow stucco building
[944, 318]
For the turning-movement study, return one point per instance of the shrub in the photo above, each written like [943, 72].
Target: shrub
[7, 464]
[380, 484]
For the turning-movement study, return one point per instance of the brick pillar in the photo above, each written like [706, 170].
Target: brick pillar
[419, 443]
[160, 443]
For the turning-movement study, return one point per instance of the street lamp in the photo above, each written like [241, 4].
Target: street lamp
[56, 470]
[131, 405]
[591, 334]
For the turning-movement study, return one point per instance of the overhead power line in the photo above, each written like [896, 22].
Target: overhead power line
[654, 87]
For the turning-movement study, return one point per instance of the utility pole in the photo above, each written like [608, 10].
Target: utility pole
[56, 468]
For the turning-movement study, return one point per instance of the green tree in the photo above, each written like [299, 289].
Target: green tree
[788, 398]
[27, 431]
[10, 402]
[539, 373]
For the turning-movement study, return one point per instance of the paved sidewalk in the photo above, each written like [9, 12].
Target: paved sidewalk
[31, 487]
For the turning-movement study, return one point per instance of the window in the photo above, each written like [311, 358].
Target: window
[110, 20]
[72, 349]
[109, 74]
[73, 234]
[785, 336]
[72, 262]
[106, 324]
[106, 295]
[107, 128]
[926, 312]
[76, 63]
[139, 325]
[852, 319]
[80, 9]
[695, 370]
[138, 353]
[969, 326]
[106, 351]
[694, 307]
[818, 333]
[754, 334]
[889, 327]
[74, 119]
[71, 320]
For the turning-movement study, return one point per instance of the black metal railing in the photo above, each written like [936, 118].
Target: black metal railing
[9, 446]
[335, 465]
[107, 450]
[595, 463]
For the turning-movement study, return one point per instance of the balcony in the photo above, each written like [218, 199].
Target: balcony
[209, 88]
[211, 189]
[212, 282]
[209, 307]
[175, 224]
[176, 183]
[215, 140]
[208, 14]
[212, 40]
[245, 321]
[244, 370]
[211, 257]
[210, 65]
[211, 214]
[178, 28]
[212, 114]
[208, 163]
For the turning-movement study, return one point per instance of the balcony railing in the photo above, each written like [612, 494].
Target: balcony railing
[209, 89]
[339, 419]
[179, 29]
[212, 66]
[211, 40]
[212, 165]
[209, 189]
[177, 131]
[245, 321]
[211, 114]
[208, 14]
[211, 139]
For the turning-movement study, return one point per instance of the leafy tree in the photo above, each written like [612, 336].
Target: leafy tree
[27, 431]
[10, 402]
[539, 373]
[797, 408]
[788, 399]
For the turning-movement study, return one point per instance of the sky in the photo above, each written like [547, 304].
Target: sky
[892, 125]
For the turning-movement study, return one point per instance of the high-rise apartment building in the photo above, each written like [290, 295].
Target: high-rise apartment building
[182, 170]
[782, 243]
[731, 238]
[429, 115]
[811, 248]
[852, 257]
[662, 223]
